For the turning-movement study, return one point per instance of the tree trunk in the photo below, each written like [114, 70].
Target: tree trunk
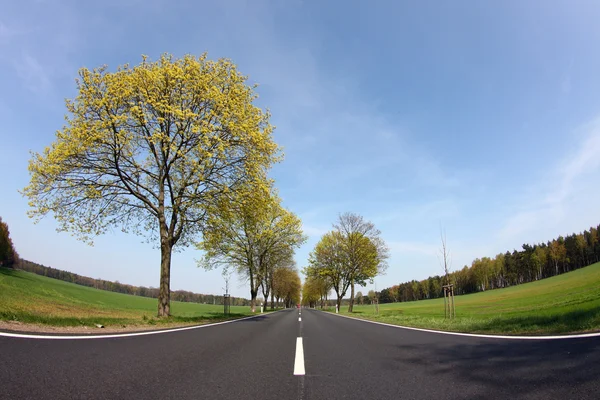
[253, 294]
[351, 305]
[272, 303]
[164, 294]
[266, 299]
[338, 302]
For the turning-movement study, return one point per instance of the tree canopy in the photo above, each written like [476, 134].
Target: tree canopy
[287, 285]
[351, 254]
[255, 237]
[8, 254]
[153, 149]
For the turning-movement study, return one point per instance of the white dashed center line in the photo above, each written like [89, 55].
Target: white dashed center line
[299, 361]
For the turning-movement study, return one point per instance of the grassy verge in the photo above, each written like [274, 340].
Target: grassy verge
[563, 304]
[34, 299]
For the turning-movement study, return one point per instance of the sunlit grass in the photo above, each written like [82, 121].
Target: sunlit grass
[31, 298]
[562, 304]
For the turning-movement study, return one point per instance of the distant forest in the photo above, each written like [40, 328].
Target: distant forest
[177, 295]
[532, 263]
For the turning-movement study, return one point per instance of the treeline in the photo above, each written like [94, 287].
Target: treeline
[8, 254]
[532, 263]
[177, 295]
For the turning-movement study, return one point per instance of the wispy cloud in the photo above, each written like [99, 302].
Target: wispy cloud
[39, 47]
[314, 231]
[9, 33]
[429, 212]
[427, 249]
[584, 161]
[34, 75]
[568, 196]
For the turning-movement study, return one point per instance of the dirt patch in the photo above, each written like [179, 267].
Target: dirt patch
[20, 327]
[56, 309]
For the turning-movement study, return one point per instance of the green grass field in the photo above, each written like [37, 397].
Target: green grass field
[31, 298]
[562, 304]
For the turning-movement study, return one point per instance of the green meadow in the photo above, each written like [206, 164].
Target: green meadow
[562, 304]
[30, 298]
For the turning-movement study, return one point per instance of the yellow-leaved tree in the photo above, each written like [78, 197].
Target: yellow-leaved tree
[352, 254]
[255, 237]
[153, 149]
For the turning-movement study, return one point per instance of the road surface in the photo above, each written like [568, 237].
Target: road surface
[342, 359]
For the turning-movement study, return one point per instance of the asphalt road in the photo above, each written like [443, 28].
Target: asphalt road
[256, 359]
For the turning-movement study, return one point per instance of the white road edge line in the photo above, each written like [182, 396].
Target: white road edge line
[577, 336]
[121, 335]
[299, 361]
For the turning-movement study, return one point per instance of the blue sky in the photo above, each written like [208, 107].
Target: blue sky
[481, 118]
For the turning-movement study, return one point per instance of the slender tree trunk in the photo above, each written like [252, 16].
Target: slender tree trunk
[266, 297]
[253, 294]
[164, 294]
[272, 303]
[351, 305]
[339, 303]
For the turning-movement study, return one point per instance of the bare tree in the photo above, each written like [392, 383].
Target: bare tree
[445, 259]
[449, 308]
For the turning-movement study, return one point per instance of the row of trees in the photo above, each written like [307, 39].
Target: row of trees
[174, 150]
[256, 238]
[286, 286]
[282, 277]
[370, 298]
[177, 295]
[349, 255]
[532, 263]
[8, 254]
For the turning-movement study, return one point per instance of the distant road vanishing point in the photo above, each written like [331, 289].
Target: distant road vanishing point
[299, 354]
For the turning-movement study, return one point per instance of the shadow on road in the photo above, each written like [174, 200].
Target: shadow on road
[529, 366]
[13, 273]
[255, 319]
[572, 321]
